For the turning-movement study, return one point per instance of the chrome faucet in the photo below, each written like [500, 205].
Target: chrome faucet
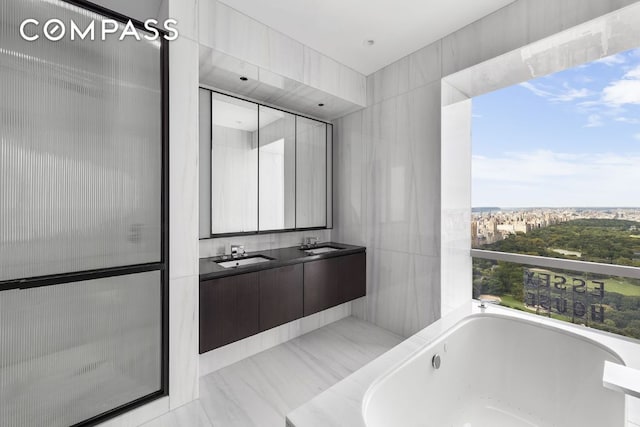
[309, 242]
[237, 250]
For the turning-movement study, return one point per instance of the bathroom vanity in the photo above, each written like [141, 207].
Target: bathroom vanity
[273, 287]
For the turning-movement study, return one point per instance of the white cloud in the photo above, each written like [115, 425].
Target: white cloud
[523, 167]
[594, 120]
[570, 94]
[586, 105]
[623, 91]
[612, 60]
[636, 136]
[584, 79]
[546, 178]
[628, 120]
[633, 73]
[535, 90]
[566, 94]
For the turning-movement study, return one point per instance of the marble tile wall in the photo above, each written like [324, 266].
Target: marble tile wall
[228, 31]
[323, 72]
[388, 165]
[517, 25]
[615, 32]
[221, 71]
[260, 242]
[183, 205]
[406, 74]
[455, 240]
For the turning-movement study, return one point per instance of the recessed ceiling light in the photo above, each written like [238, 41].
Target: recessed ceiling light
[369, 42]
[243, 78]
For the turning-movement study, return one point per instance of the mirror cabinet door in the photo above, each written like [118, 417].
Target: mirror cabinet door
[204, 159]
[276, 171]
[311, 173]
[234, 165]
[329, 176]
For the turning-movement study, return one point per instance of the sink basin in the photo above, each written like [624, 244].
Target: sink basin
[321, 250]
[239, 262]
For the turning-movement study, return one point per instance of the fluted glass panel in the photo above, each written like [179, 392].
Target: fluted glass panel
[72, 351]
[234, 165]
[311, 173]
[80, 147]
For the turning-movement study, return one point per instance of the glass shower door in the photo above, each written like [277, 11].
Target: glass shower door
[83, 259]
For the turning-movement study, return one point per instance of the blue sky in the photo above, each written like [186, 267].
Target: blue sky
[567, 139]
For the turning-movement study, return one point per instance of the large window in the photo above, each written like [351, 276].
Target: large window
[83, 221]
[555, 219]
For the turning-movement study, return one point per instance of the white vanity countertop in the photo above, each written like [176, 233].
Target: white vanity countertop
[341, 405]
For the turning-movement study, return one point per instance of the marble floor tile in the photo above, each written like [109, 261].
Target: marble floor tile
[262, 389]
[189, 415]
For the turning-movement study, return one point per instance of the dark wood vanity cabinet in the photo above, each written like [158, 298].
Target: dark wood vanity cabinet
[352, 277]
[228, 310]
[238, 306]
[280, 296]
[333, 281]
[320, 285]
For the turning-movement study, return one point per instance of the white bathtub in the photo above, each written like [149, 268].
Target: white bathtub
[499, 371]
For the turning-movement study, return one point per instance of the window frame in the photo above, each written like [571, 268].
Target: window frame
[559, 263]
[458, 86]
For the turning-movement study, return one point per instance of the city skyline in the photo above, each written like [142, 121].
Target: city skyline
[511, 208]
[569, 139]
[491, 225]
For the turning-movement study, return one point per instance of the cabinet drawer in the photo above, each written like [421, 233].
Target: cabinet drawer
[352, 275]
[320, 285]
[229, 310]
[333, 281]
[280, 296]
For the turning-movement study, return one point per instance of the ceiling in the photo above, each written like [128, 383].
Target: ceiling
[339, 28]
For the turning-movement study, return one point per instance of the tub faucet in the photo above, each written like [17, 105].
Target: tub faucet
[435, 361]
[483, 303]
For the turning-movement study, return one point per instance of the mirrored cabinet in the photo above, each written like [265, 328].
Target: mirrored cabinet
[277, 170]
[261, 169]
[311, 181]
[234, 165]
